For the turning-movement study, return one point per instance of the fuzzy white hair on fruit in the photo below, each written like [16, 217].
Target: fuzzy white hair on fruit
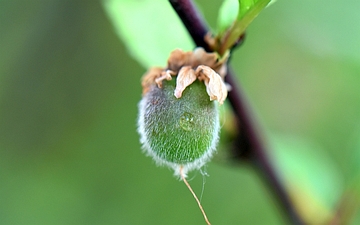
[178, 168]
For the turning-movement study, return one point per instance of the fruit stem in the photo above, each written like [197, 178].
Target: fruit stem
[193, 193]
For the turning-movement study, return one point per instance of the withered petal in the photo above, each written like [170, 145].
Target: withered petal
[165, 75]
[209, 68]
[185, 77]
[201, 57]
[215, 86]
[177, 59]
[148, 79]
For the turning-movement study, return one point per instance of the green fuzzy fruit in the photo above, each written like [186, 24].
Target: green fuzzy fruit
[179, 132]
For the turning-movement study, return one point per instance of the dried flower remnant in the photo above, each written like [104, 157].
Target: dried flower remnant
[215, 86]
[189, 66]
[185, 77]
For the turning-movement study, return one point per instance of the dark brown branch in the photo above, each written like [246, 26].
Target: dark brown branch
[250, 144]
[192, 20]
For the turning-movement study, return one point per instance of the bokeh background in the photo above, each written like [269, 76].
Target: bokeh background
[69, 151]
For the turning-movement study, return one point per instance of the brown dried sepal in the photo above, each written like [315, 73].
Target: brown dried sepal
[215, 86]
[189, 66]
[185, 77]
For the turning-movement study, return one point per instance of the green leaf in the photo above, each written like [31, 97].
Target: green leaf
[244, 6]
[227, 14]
[309, 175]
[247, 10]
[150, 29]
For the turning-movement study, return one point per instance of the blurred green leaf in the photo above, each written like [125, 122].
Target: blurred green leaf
[355, 170]
[303, 24]
[227, 14]
[309, 175]
[149, 28]
[354, 156]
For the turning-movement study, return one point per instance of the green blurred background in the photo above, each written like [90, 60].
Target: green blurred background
[69, 151]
